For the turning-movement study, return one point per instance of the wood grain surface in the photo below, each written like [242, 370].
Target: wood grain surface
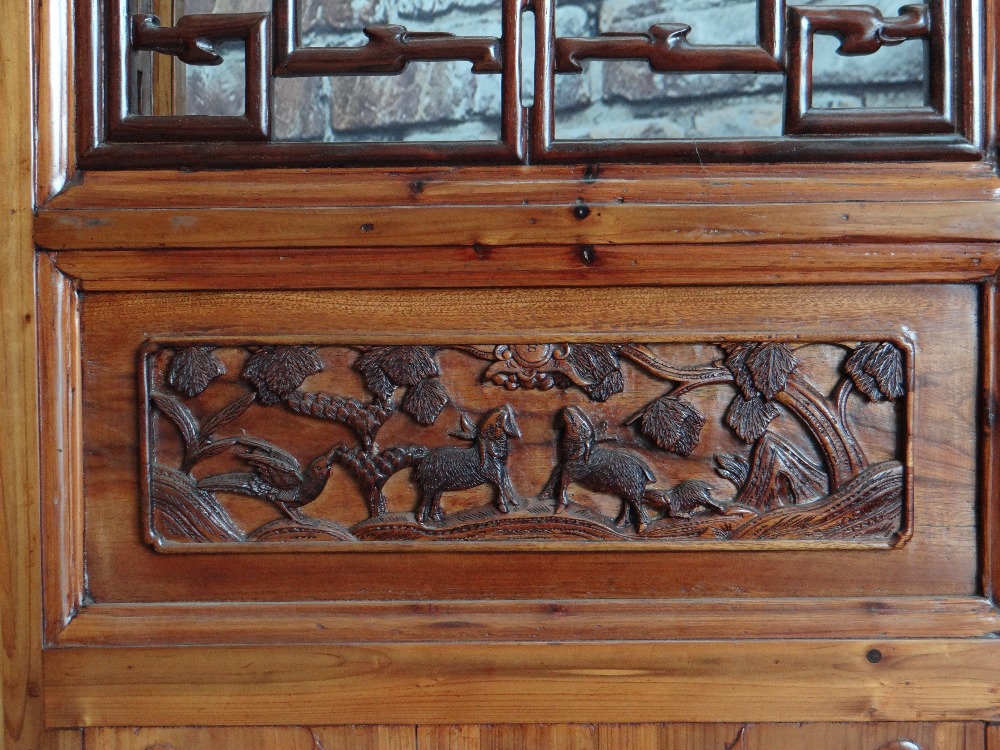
[479, 266]
[872, 736]
[533, 622]
[446, 683]
[621, 442]
[20, 563]
[940, 560]
[543, 224]
[419, 650]
[61, 450]
[477, 186]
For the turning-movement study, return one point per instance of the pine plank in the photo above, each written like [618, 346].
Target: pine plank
[866, 736]
[423, 226]
[928, 680]
[20, 566]
[253, 738]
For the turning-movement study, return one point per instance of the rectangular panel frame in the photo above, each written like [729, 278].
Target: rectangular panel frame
[112, 138]
[68, 608]
[946, 130]
[902, 341]
[950, 129]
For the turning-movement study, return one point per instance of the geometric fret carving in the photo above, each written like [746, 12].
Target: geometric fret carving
[666, 48]
[937, 129]
[192, 40]
[389, 49]
[861, 30]
[658, 444]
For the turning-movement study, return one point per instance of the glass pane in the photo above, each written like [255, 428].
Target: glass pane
[626, 99]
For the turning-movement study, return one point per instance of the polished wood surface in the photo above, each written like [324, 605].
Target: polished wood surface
[939, 559]
[625, 442]
[511, 226]
[531, 622]
[125, 135]
[445, 683]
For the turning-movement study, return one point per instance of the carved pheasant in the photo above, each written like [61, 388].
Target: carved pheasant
[276, 476]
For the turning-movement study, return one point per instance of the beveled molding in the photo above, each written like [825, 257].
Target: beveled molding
[70, 619]
[582, 217]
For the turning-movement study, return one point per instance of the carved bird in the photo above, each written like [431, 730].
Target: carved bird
[276, 476]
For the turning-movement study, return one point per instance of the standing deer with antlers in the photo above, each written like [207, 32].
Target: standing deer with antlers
[484, 462]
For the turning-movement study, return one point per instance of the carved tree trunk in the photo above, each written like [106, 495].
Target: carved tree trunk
[844, 457]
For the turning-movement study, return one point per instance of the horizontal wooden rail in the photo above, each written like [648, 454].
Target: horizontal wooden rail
[769, 681]
[578, 223]
[535, 621]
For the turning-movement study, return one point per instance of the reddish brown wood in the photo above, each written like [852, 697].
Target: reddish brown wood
[199, 446]
[536, 622]
[865, 31]
[61, 445]
[711, 185]
[389, 50]
[616, 682]
[990, 449]
[666, 48]
[117, 324]
[192, 40]
[573, 225]
[949, 128]
[751, 617]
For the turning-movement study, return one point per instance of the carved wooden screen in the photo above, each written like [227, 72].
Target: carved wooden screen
[503, 418]
[527, 80]
[586, 431]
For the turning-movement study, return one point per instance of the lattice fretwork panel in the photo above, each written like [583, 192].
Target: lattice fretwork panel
[354, 82]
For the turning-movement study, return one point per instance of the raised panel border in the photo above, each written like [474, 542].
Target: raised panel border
[72, 621]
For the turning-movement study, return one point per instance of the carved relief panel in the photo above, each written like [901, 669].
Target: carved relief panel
[401, 443]
[738, 442]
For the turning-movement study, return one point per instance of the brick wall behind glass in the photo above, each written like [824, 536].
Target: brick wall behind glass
[435, 101]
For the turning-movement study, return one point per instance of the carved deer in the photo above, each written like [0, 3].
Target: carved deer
[615, 472]
[485, 462]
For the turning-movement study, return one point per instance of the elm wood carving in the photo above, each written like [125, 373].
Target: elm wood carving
[617, 428]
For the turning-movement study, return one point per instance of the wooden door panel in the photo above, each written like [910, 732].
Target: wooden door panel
[931, 552]
[870, 736]
[875, 735]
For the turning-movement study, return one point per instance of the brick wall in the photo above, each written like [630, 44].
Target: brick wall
[444, 101]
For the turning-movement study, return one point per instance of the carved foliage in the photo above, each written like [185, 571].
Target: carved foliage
[672, 424]
[277, 371]
[193, 368]
[785, 488]
[876, 370]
